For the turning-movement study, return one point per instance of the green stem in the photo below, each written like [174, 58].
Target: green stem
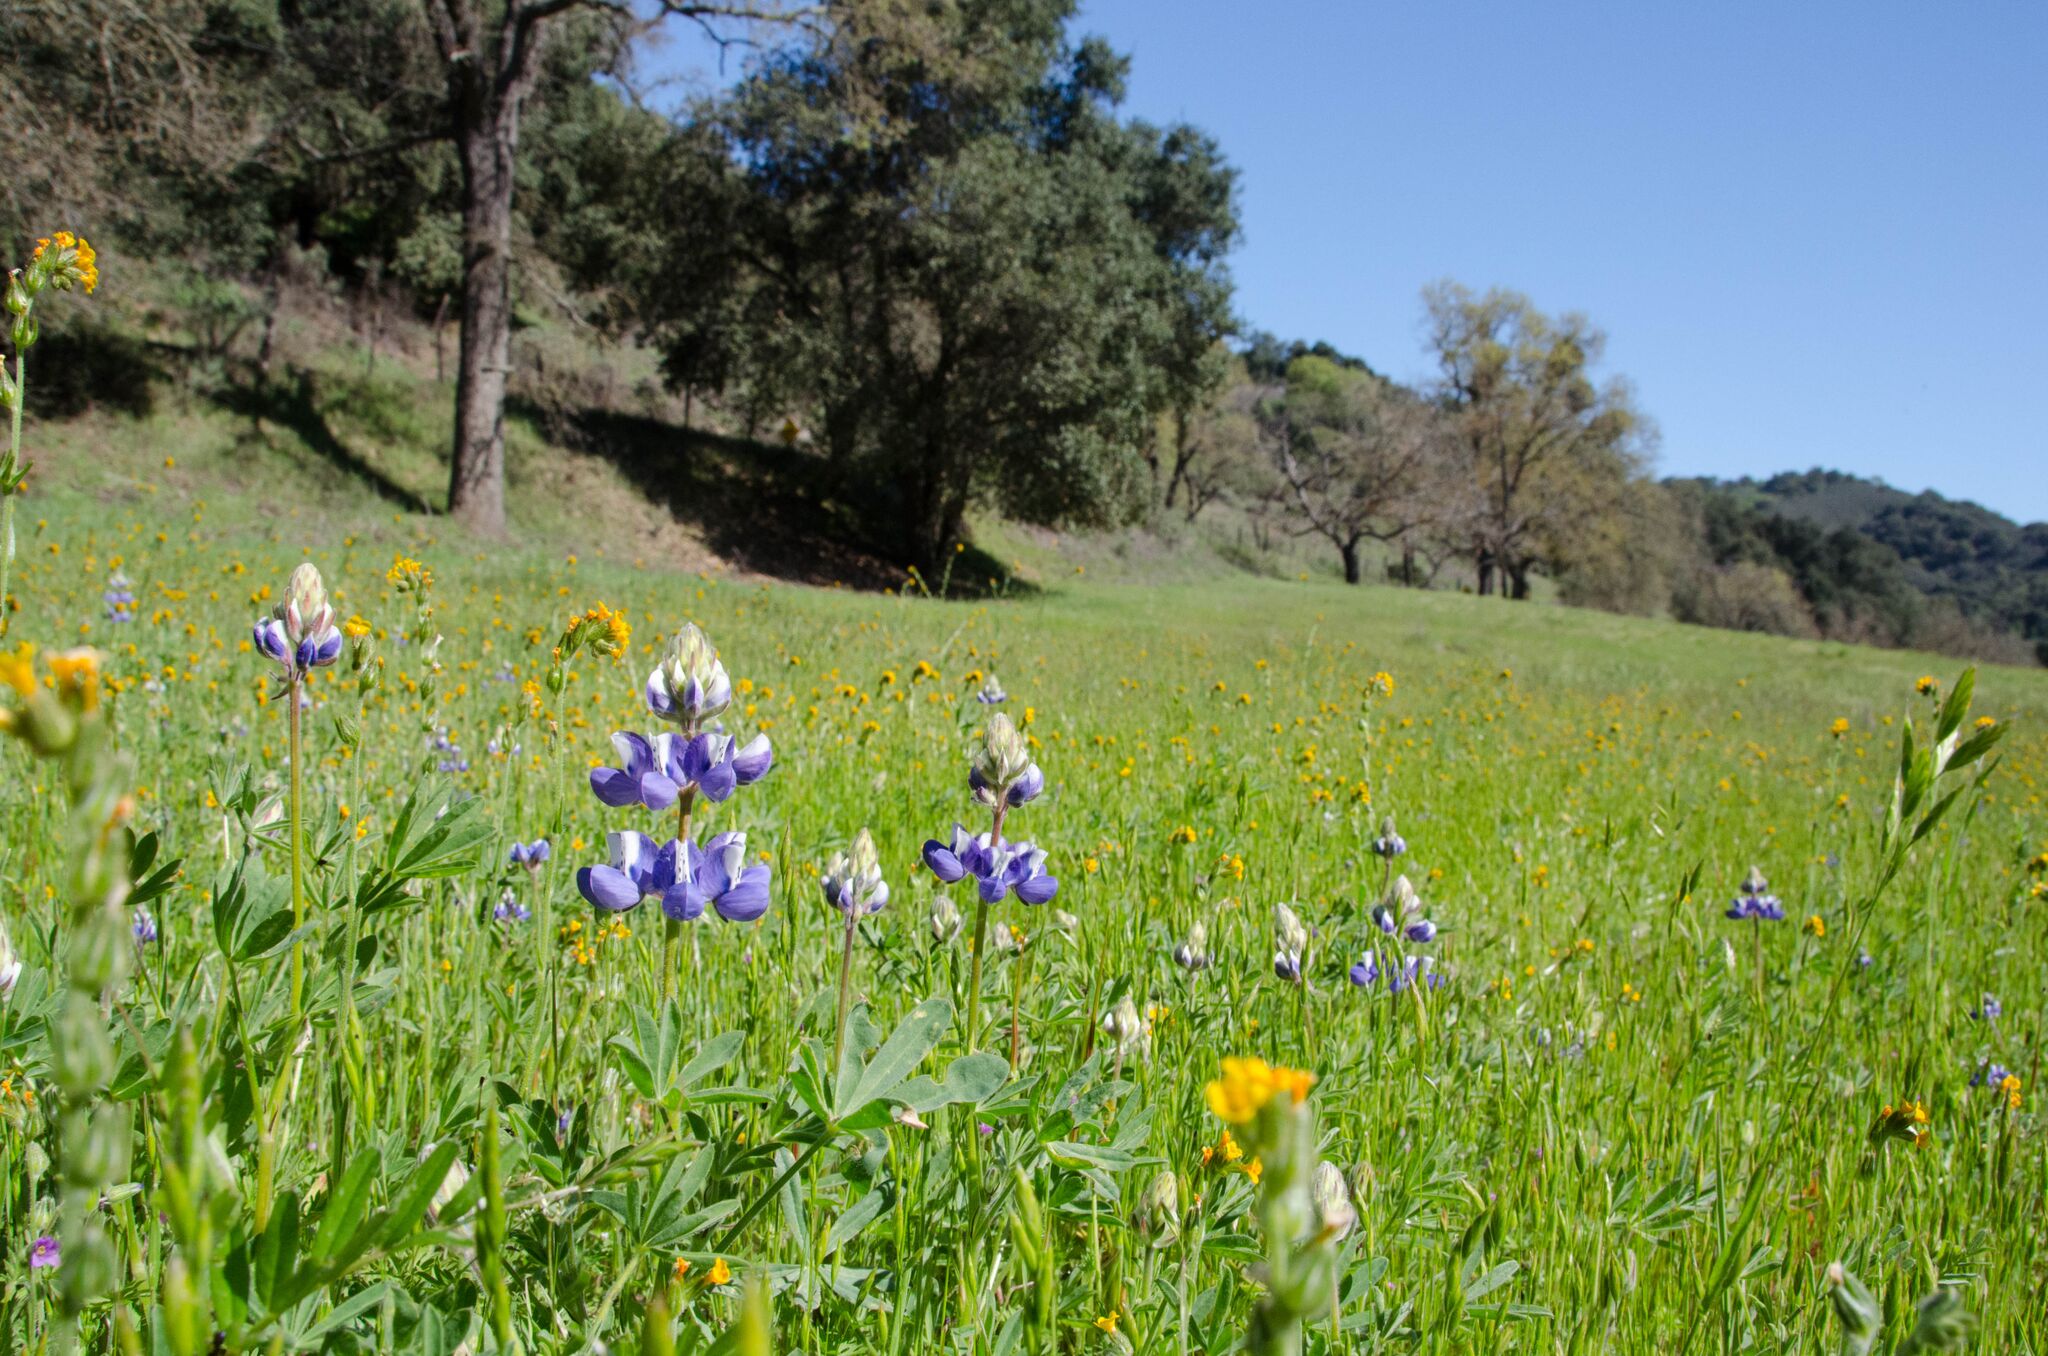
[298, 869]
[672, 929]
[7, 496]
[995, 838]
[845, 983]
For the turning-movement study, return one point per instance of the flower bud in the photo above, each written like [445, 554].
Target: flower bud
[1332, 1200]
[305, 610]
[1158, 1214]
[1940, 1324]
[1856, 1309]
[690, 685]
[853, 879]
[81, 1057]
[1193, 954]
[1003, 758]
[10, 964]
[1289, 934]
[945, 919]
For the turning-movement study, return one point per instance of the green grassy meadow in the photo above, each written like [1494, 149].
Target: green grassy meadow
[1622, 1122]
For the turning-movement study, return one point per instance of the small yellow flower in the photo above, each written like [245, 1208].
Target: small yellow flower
[682, 1267]
[1816, 926]
[719, 1274]
[1840, 727]
[1107, 1322]
[1247, 1085]
[355, 628]
[1926, 684]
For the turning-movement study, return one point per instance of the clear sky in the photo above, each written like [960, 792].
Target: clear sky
[1814, 231]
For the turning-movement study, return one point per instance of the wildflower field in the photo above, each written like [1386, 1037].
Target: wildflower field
[419, 948]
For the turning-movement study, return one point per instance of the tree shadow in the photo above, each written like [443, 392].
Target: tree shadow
[293, 402]
[769, 509]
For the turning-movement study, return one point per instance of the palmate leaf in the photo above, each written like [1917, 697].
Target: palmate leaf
[916, 1036]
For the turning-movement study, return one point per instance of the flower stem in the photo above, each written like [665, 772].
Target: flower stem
[1017, 1009]
[671, 928]
[13, 468]
[995, 838]
[845, 984]
[298, 872]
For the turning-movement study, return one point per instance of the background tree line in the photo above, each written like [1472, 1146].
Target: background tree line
[923, 239]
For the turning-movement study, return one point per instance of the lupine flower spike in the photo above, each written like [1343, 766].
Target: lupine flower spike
[300, 635]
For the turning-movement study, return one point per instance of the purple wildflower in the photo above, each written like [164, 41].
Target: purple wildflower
[998, 868]
[44, 1253]
[642, 777]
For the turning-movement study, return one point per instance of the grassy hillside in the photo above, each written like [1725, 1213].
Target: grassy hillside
[1612, 1087]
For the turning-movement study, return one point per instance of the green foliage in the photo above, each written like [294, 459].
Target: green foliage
[935, 241]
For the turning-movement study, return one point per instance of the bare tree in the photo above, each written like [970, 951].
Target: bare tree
[1519, 387]
[1351, 447]
[490, 54]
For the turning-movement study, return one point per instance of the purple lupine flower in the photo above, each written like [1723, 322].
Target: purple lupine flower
[1762, 908]
[1415, 970]
[991, 693]
[300, 635]
[1367, 972]
[532, 855]
[1989, 1075]
[997, 868]
[1402, 912]
[1864, 960]
[715, 764]
[1756, 902]
[510, 910]
[119, 598]
[642, 777]
[1022, 791]
[1287, 966]
[631, 876]
[1389, 844]
[718, 875]
[144, 926]
[44, 1253]
[1990, 1010]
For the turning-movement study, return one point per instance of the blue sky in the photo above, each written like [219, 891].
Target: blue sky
[1814, 232]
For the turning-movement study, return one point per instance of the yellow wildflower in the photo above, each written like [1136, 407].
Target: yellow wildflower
[1248, 1084]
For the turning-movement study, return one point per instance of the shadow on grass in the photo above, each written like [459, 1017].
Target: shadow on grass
[773, 510]
[293, 402]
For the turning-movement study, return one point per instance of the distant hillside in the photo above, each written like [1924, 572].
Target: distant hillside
[1994, 571]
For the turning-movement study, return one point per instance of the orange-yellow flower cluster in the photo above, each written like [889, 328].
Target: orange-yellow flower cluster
[1247, 1085]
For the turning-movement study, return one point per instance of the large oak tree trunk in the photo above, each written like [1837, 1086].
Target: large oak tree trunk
[1349, 550]
[476, 481]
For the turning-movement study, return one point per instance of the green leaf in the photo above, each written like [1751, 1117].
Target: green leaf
[409, 1208]
[1955, 706]
[856, 1218]
[345, 1205]
[914, 1038]
[718, 1052]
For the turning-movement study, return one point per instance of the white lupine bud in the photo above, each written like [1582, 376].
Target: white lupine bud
[853, 879]
[306, 611]
[945, 918]
[10, 964]
[1289, 935]
[1003, 757]
[1332, 1200]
